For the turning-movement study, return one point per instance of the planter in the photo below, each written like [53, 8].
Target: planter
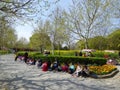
[105, 76]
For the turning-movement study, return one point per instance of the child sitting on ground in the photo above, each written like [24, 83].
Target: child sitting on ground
[78, 71]
[45, 66]
[85, 72]
[65, 67]
[39, 63]
[71, 68]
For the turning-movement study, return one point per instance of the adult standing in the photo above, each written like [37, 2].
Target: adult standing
[25, 57]
[80, 54]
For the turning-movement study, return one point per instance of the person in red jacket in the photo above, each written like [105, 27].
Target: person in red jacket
[45, 66]
[65, 67]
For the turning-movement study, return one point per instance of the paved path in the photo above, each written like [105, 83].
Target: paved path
[19, 76]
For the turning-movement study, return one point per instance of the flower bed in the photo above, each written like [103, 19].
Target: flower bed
[102, 70]
[105, 71]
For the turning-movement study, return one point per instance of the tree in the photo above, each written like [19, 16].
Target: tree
[21, 8]
[80, 45]
[40, 41]
[114, 40]
[69, 40]
[58, 30]
[69, 37]
[116, 8]
[22, 43]
[14, 8]
[98, 42]
[86, 17]
[40, 38]
[8, 35]
[10, 38]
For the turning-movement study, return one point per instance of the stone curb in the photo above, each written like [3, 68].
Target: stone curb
[105, 76]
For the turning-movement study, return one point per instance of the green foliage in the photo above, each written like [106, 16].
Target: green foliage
[110, 42]
[68, 59]
[74, 59]
[114, 40]
[80, 44]
[103, 54]
[85, 18]
[8, 35]
[65, 52]
[3, 52]
[98, 42]
[22, 43]
[99, 54]
[40, 40]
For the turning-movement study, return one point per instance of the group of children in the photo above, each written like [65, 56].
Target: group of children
[75, 70]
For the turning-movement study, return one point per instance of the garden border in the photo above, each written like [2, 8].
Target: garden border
[105, 76]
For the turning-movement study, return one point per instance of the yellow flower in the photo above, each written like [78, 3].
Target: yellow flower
[104, 69]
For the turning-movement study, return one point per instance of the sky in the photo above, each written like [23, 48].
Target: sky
[25, 30]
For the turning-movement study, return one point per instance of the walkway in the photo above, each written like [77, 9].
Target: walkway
[19, 76]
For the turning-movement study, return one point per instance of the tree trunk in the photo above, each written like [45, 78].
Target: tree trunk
[86, 44]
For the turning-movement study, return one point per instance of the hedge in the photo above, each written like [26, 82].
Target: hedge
[3, 52]
[103, 54]
[74, 59]
[68, 59]
[100, 54]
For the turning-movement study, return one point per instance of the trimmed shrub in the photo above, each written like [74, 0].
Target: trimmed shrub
[103, 54]
[74, 59]
[68, 59]
[66, 52]
[3, 52]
